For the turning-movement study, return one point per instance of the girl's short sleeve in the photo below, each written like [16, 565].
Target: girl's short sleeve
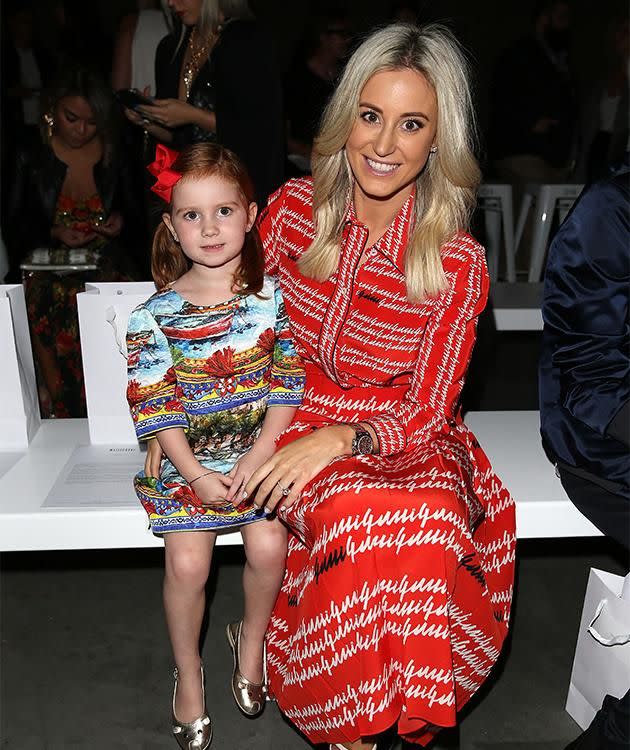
[287, 370]
[152, 391]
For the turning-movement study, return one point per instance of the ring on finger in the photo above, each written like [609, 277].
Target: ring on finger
[285, 490]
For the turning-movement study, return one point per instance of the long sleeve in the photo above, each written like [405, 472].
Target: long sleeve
[586, 307]
[28, 218]
[287, 371]
[443, 358]
[152, 383]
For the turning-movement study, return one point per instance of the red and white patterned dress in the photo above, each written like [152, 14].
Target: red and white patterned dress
[396, 598]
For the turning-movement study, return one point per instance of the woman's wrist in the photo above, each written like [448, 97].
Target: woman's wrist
[341, 436]
[203, 118]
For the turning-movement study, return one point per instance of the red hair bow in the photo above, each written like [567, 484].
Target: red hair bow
[161, 168]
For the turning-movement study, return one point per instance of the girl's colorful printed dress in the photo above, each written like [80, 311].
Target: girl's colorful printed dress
[212, 371]
[396, 599]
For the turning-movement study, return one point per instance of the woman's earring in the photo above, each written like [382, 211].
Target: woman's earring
[433, 149]
[50, 123]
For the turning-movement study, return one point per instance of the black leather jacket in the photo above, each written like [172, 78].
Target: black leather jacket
[36, 181]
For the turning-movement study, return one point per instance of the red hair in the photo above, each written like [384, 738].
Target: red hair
[197, 162]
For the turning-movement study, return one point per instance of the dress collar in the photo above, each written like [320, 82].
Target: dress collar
[393, 243]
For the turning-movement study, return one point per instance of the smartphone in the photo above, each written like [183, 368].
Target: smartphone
[132, 98]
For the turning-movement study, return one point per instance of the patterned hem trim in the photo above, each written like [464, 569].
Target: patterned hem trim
[160, 526]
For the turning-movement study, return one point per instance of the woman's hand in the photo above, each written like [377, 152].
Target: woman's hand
[170, 113]
[247, 465]
[72, 238]
[212, 488]
[135, 118]
[112, 227]
[294, 466]
[153, 460]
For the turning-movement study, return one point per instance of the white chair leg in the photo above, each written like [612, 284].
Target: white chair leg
[508, 236]
[544, 216]
[526, 204]
[492, 217]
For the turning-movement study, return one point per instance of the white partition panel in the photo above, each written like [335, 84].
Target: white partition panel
[19, 405]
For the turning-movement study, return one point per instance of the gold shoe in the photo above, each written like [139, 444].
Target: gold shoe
[197, 734]
[249, 696]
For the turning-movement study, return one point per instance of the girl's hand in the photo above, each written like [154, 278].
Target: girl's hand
[112, 227]
[153, 460]
[212, 489]
[294, 466]
[170, 113]
[247, 465]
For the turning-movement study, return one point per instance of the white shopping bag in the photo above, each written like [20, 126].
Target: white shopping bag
[602, 656]
[19, 404]
[104, 310]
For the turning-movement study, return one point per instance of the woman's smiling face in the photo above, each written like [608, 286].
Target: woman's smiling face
[392, 136]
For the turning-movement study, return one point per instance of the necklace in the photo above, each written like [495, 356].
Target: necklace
[196, 55]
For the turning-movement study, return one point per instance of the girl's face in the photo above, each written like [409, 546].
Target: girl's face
[394, 130]
[209, 219]
[188, 11]
[74, 119]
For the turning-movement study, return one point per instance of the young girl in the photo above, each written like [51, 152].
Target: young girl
[214, 376]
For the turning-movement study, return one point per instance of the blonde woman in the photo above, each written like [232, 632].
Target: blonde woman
[396, 598]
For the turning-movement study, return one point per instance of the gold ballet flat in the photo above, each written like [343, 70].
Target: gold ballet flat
[197, 734]
[249, 696]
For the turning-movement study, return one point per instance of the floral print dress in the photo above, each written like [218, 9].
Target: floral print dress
[213, 371]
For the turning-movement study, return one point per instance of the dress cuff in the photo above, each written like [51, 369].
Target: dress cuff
[391, 435]
[147, 425]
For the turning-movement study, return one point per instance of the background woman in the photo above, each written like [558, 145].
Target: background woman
[397, 594]
[71, 191]
[208, 89]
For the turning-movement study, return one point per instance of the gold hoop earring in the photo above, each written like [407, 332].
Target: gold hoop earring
[50, 124]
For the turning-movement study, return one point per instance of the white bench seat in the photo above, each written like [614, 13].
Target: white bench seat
[510, 438]
[517, 306]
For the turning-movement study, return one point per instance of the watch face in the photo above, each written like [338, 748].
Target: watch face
[363, 444]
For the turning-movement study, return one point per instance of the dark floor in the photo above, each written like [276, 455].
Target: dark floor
[85, 662]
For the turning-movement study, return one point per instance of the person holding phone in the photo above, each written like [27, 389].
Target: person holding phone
[205, 92]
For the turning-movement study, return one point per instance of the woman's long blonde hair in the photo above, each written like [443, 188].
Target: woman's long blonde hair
[211, 13]
[446, 187]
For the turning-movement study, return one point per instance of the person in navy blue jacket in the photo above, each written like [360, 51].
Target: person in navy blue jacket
[584, 380]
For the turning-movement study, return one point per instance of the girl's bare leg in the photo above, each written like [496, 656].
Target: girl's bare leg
[187, 566]
[265, 550]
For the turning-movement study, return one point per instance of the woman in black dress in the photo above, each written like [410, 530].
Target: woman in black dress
[216, 80]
